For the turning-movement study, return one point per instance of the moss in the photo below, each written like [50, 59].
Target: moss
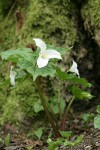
[91, 12]
[91, 16]
[27, 96]
[48, 20]
[11, 111]
[21, 102]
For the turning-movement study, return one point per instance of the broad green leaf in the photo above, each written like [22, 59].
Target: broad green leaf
[20, 73]
[66, 134]
[54, 144]
[62, 75]
[34, 70]
[98, 109]
[77, 141]
[87, 117]
[97, 122]
[38, 106]
[79, 93]
[45, 71]
[59, 49]
[39, 133]
[24, 64]
[72, 78]
[21, 52]
[62, 105]
[54, 105]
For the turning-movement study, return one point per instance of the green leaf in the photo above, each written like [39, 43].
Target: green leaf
[87, 117]
[38, 106]
[20, 73]
[54, 105]
[39, 133]
[66, 134]
[86, 94]
[74, 143]
[72, 78]
[98, 109]
[61, 50]
[79, 93]
[97, 122]
[7, 139]
[34, 70]
[21, 52]
[54, 144]
[6, 82]
[62, 105]
[45, 71]
[62, 75]
[24, 64]
[1, 141]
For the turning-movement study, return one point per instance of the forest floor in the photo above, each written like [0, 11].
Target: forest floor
[91, 136]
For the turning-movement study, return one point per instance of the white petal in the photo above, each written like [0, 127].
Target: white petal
[40, 44]
[74, 68]
[52, 54]
[42, 62]
[12, 76]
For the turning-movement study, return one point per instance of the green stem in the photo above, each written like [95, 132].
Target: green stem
[70, 103]
[50, 115]
[65, 115]
[59, 96]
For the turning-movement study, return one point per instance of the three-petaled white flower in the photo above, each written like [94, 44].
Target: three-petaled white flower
[74, 68]
[12, 76]
[45, 54]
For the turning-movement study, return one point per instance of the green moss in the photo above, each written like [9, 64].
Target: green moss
[27, 96]
[50, 21]
[11, 111]
[21, 103]
[91, 14]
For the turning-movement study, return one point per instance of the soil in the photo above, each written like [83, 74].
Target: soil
[91, 136]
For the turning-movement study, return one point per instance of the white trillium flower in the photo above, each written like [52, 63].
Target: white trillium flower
[45, 54]
[74, 68]
[12, 76]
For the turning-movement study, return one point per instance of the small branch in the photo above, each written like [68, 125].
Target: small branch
[66, 112]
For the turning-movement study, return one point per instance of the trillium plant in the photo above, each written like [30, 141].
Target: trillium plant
[45, 54]
[43, 62]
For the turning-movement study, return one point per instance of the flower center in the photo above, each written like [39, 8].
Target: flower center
[43, 55]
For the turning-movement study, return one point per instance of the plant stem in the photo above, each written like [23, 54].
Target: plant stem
[59, 96]
[48, 111]
[65, 115]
